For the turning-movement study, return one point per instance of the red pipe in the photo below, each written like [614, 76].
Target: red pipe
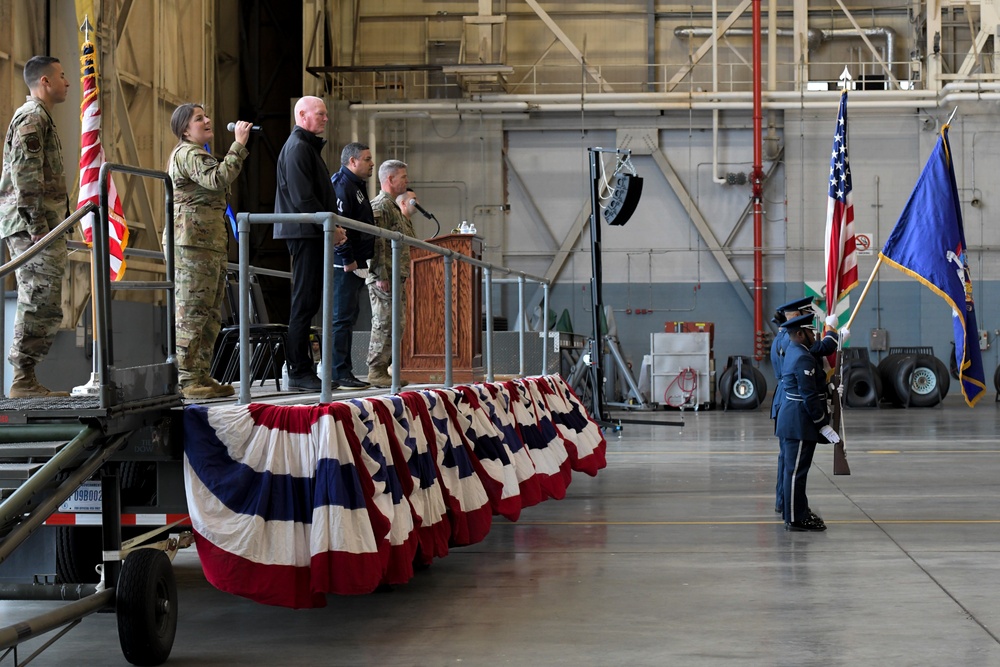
[757, 179]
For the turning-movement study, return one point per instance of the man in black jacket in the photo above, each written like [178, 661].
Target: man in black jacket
[304, 187]
[356, 165]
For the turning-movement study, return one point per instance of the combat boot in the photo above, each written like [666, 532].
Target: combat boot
[206, 388]
[26, 385]
[379, 378]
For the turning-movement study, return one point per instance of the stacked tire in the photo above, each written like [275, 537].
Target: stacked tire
[862, 384]
[741, 385]
[914, 380]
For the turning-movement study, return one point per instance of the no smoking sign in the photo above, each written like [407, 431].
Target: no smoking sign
[863, 242]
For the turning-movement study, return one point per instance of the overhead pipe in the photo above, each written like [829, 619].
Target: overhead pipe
[900, 99]
[772, 141]
[744, 106]
[555, 98]
[757, 181]
[715, 88]
[814, 37]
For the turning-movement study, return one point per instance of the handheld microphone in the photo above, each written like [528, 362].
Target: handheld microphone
[413, 203]
[253, 128]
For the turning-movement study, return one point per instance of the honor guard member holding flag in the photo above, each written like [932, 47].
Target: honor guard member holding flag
[820, 349]
[32, 202]
[803, 420]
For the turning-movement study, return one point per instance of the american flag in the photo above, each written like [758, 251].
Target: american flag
[841, 252]
[91, 159]
[291, 503]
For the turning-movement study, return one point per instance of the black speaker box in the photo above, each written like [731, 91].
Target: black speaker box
[624, 199]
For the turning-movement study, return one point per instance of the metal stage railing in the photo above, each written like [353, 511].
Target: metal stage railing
[329, 222]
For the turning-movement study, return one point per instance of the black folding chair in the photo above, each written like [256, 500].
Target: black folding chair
[267, 340]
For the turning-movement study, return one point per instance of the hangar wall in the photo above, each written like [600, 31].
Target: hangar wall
[658, 261]
[521, 176]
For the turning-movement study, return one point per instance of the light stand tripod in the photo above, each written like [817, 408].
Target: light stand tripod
[596, 282]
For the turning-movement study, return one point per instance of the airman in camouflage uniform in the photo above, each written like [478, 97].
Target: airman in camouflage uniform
[32, 202]
[388, 216]
[201, 184]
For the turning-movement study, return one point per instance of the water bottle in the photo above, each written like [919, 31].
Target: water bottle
[464, 227]
[472, 228]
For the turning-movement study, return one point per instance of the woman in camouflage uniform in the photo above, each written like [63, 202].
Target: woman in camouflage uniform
[201, 183]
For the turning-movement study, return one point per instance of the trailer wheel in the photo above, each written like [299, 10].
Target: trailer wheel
[146, 609]
[78, 552]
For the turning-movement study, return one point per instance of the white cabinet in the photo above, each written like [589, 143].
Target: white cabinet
[681, 370]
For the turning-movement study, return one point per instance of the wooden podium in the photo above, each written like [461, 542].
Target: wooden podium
[423, 337]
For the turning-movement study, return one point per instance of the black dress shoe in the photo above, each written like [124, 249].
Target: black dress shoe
[815, 518]
[308, 383]
[777, 509]
[806, 525]
[352, 382]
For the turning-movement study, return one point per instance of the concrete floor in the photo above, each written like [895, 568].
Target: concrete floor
[672, 555]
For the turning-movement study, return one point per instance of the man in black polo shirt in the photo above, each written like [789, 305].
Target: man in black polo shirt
[352, 202]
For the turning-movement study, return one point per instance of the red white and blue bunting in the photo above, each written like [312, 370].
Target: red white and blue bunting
[290, 503]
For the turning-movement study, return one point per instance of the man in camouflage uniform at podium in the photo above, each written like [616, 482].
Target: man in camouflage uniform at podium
[33, 201]
[388, 216]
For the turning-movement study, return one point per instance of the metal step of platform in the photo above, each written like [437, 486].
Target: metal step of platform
[19, 451]
[17, 472]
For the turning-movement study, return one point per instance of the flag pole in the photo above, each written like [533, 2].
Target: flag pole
[864, 292]
[93, 386]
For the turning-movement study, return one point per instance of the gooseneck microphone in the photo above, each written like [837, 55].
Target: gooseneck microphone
[253, 128]
[429, 216]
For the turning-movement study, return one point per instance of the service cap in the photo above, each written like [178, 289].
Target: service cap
[798, 304]
[806, 321]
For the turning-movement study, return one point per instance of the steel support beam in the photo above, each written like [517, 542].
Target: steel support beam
[861, 33]
[534, 214]
[570, 46]
[555, 267]
[132, 151]
[707, 45]
[701, 224]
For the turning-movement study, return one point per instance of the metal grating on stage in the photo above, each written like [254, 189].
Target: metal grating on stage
[46, 404]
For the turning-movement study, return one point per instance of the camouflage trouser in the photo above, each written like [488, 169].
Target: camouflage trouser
[380, 346]
[200, 279]
[39, 299]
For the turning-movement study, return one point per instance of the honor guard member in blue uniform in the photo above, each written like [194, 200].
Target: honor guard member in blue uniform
[803, 420]
[821, 348]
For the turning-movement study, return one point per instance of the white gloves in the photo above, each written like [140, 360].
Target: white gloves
[840, 389]
[831, 435]
[831, 321]
[844, 333]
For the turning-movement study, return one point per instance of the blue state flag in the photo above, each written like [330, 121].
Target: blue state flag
[230, 216]
[928, 243]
